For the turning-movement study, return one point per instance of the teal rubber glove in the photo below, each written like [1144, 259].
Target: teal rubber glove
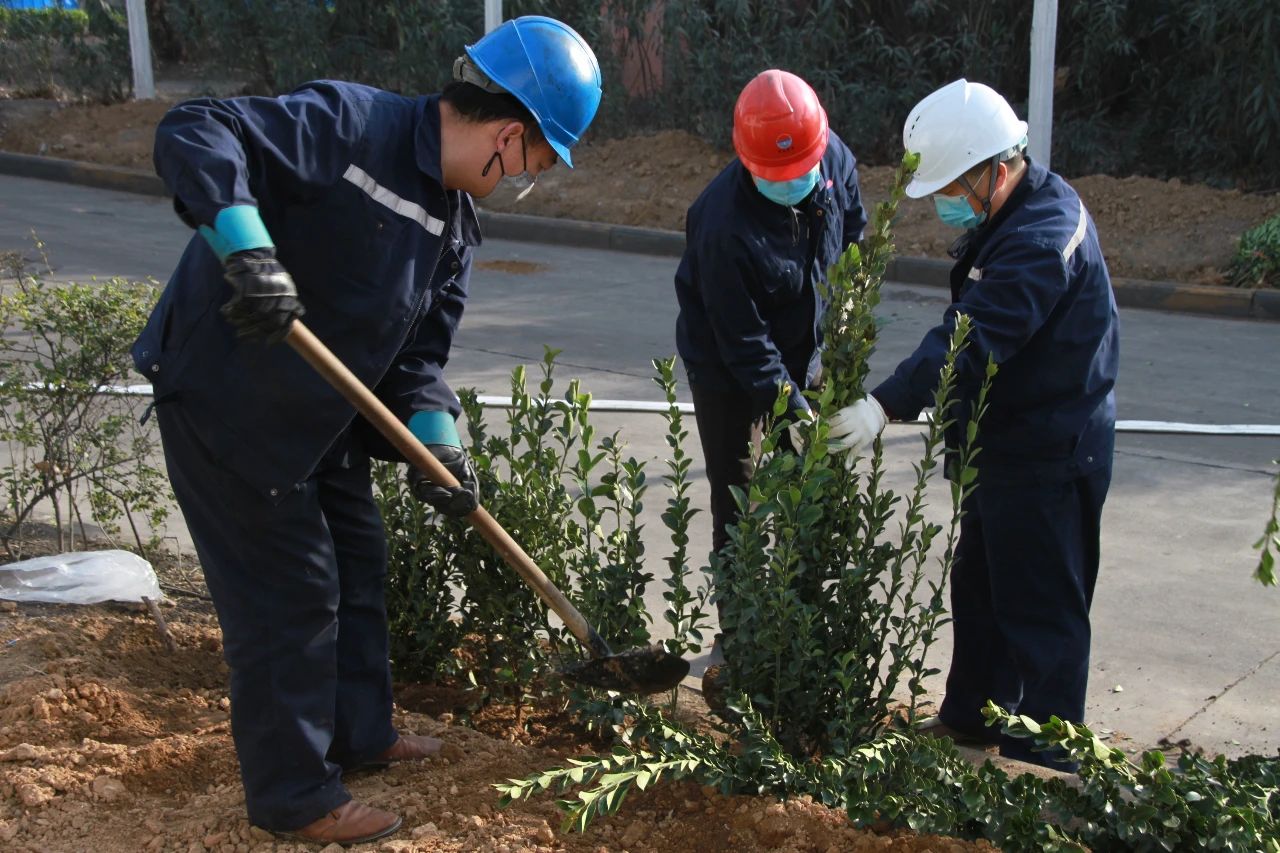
[439, 433]
[236, 229]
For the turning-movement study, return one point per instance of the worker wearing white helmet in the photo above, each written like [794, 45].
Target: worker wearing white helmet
[1030, 274]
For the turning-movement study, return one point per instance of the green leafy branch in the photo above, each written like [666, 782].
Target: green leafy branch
[1269, 543]
[69, 441]
[1201, 804]
[852, 291]
[606, 780]
[685, 611]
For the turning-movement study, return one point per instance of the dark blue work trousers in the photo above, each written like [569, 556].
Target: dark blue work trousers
[298, 586]
[1021, 588]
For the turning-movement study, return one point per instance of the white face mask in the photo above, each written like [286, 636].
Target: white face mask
[523, 182]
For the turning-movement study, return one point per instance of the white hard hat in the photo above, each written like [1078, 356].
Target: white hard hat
[956, 128]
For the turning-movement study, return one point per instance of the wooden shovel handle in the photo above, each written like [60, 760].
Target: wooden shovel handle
[346, 383]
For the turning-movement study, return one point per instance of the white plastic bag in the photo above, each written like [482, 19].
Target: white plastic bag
[80, 577]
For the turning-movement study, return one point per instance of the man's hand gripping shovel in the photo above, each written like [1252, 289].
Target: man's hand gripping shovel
[646, 670]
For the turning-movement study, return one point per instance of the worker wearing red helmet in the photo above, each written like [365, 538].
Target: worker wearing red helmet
[759, 240]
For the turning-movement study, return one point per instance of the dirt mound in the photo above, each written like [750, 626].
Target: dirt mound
[648, 181]
[116, 135]
[1168, 229]
[1148, 228]
[109, 744]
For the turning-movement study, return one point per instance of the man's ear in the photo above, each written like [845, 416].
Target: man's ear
[1002, 175]
[510, 132]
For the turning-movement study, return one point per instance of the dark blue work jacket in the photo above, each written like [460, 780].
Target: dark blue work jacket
[1036, 286]
[347, 179]
[750, 311]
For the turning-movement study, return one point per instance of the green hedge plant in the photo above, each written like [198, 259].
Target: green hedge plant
[788, 659]
[826, 605]
[907, 780]
[71, 444]
[65, 53]
[572, 498]
[1257, 260]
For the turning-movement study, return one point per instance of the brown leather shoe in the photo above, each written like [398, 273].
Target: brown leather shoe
[419, 747]
[349, 823]
[410, 748]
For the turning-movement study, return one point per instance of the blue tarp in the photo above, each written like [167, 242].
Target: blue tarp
[39, 4]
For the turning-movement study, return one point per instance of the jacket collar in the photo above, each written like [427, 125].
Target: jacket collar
[463, 223]
[426, 146]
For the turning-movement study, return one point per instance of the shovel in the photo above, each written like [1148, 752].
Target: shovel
[648, 670]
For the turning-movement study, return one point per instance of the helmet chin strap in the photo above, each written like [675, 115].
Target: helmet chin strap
[992, 167]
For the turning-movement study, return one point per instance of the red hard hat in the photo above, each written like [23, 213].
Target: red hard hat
[779, 128]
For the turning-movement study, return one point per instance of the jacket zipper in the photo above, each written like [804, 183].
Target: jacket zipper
[418, 314]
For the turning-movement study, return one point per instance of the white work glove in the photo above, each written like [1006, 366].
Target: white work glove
[854, 427]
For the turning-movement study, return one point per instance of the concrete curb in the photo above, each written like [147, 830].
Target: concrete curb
[84, 174]
[1130, 293]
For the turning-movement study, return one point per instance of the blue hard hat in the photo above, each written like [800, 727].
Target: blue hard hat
[550, 68]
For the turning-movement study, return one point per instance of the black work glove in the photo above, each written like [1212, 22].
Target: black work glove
[264, 302]
[457, 502]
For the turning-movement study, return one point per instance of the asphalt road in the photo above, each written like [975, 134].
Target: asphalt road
[1185, 642]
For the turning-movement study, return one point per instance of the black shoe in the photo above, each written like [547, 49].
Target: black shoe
[715, 682]
[715, 657]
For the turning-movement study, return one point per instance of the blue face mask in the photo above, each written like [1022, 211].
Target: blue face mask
[954, 210]
[789, 192]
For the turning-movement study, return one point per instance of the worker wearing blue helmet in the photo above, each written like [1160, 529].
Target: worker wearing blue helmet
[353, 205]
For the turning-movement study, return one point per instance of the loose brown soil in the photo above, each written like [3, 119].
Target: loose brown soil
[108, 743]
[1149, 228]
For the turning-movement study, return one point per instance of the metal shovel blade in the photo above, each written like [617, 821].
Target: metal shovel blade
[651, 669]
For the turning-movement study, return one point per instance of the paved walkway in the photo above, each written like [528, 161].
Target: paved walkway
[1179, 626]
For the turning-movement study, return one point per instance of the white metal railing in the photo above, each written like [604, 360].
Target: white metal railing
[492, 401]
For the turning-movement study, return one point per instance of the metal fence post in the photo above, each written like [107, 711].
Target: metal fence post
[144, 83]
[1044, 34]
[492, 15]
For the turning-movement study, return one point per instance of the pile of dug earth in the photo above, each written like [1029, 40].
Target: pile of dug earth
[108, 743]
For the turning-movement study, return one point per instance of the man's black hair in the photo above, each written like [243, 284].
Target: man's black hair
[476, 105]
